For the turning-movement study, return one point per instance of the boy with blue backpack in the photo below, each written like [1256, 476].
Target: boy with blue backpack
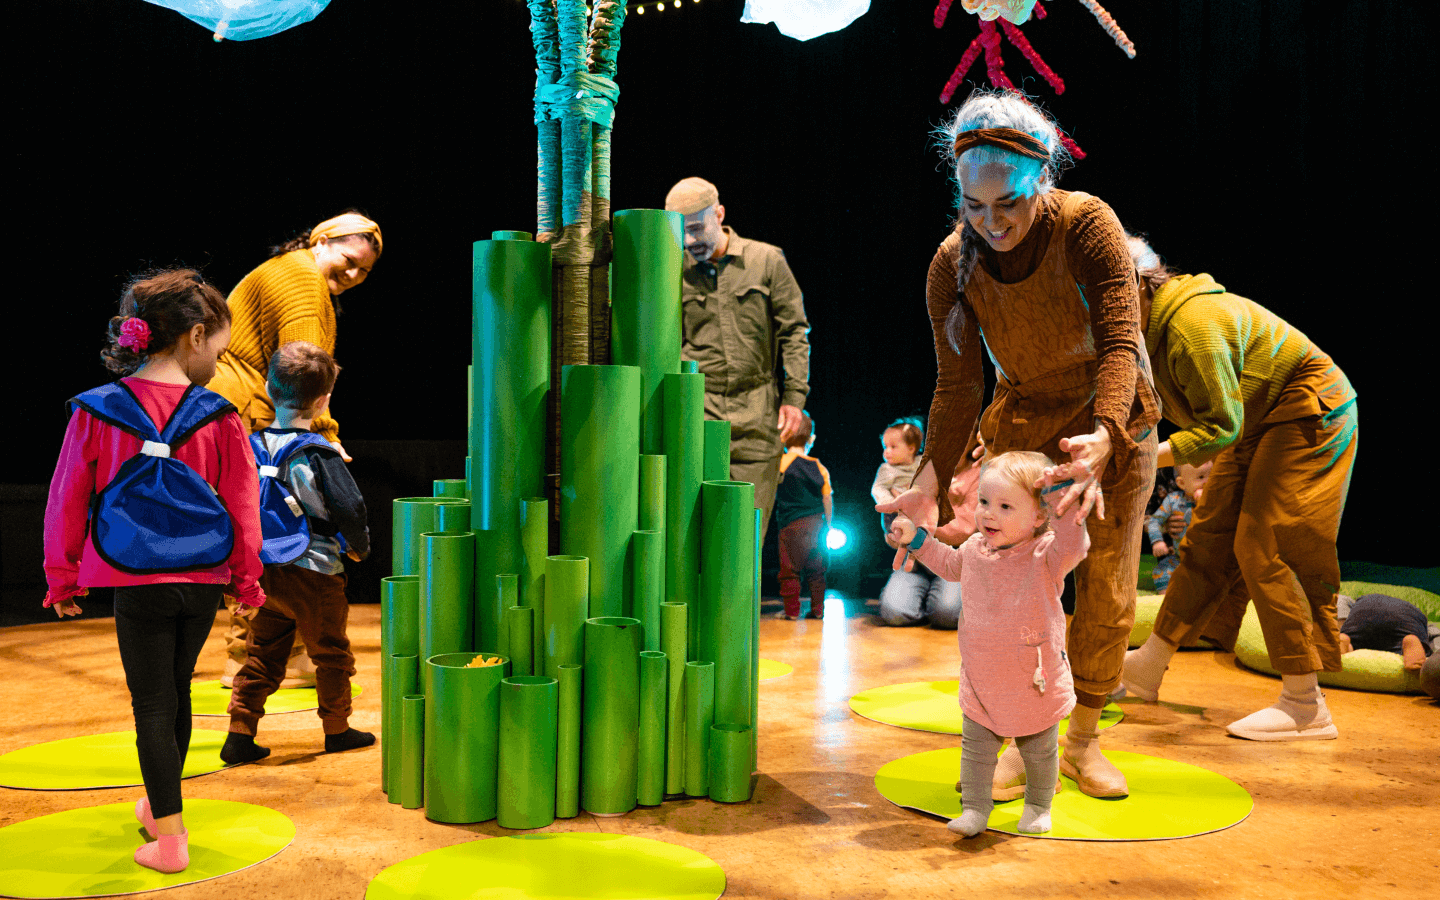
[311, 515]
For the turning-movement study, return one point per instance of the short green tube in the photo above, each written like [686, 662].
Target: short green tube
[650, 768]
[730, 763]
[450, 487]
[534, 547]
[645, 305]
[600, 476]
[402, 671]
[567, 741]
[673, 632]
[412, 517]
[610, 715]
[462, 722]
[452, 514]
[412, 751]
[699, 716]
[567, 599]
[399, 633]
[684, 466]
[647, 560]
[511, 236]
[447, 589]
[717, 451]
[689, 367]
[529, 708]
[727, 593]
[520, 637]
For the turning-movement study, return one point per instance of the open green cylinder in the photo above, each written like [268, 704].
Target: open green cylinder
[567, 741]
[450, 487]
[402, 674]
[650, 770]
[673, 635]
[447, 589]
[452, 514]
[600, 476]
[399, 633]
[462, 723]
[727, 593]
[520, 637]
[647, 560]
[717, 451]
[412, 517]
[699, 716]
[730, 763]
[645, 306]
[567, 600]
[610, 715]
[534, 548]
[684, 465]
[511, 236]
[529, 709]
[412, 751]
[689, 367]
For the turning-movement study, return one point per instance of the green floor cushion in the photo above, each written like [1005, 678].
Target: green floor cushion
[1365, 670]
[1147, 606]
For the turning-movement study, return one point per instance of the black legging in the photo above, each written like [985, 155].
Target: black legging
[161, 628]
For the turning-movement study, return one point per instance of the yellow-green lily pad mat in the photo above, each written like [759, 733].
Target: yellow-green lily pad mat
[933, 706]
[211, 698]
[99, 761]
[567, 866]
[770, 668]
[1167, 799]
[90, 852]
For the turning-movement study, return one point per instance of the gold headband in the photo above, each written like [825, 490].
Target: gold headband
[1010, 139]
[347, 224]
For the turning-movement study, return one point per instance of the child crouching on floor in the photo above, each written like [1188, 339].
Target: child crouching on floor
[1014, 678]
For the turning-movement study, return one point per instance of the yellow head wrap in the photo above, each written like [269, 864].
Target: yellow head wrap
[344, 224]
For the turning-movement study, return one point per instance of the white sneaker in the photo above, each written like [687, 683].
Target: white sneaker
[1291, 718]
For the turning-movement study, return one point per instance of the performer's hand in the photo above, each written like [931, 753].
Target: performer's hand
[66, 608]
[914, 508]
[341, 450]
[244, 612]
[1088, 455]
[789, 424]
[1175, 525]
[1160, 549]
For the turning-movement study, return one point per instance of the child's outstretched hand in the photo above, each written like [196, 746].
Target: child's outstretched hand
[67, 608]
[244, 612]
[1160, 549]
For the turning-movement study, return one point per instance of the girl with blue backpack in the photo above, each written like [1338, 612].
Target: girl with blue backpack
[156, 494]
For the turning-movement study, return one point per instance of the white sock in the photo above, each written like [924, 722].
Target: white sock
[1034, 820]
[970, 823]
[1301, 688]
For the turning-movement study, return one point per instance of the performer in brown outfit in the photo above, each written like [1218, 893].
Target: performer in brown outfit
[1041, 280]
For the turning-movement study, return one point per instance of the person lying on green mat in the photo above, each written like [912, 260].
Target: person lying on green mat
[1380, 622]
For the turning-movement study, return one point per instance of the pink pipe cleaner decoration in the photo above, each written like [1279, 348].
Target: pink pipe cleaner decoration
[1108, 23]
[1019, 40]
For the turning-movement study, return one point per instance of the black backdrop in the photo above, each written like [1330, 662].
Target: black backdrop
[1277, 145]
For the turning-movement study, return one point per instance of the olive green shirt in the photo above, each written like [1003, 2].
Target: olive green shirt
[744, 321]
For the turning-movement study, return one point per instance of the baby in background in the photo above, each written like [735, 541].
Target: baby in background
[1191, 482]
[902, 441]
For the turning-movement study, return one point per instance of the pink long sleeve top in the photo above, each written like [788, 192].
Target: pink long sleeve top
[1014, 677]
[90, 456]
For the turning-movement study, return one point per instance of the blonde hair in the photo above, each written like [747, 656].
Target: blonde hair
[1021, 468]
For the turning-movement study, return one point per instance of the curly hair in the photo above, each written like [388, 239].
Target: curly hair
[170, 302]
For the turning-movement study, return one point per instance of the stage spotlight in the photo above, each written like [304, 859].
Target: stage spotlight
[836, 539]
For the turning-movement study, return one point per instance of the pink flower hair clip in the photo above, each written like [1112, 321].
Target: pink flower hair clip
[134, 334]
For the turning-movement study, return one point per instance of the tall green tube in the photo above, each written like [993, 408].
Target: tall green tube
[447, 589]
[647, 560]
[699, 716]
[567, 741]
[673, 635]
[717, 450]
[413, 516]
[399, 633]
[645, 306]
[529, 709]
[727, 593]
[755, 652]
[403, 673]
[412, 751]
[650, 768]
[489, 608]
[567, 599]
[651, 515]
[453, 514]
[610, 715]
[684, 465]
[600, 475]
[450, 487]
[462, 723]
[520, 637]
[730, 763]
[534, 547]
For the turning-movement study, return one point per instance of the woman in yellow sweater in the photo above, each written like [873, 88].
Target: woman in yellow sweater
[289, 297]
[1279, 419]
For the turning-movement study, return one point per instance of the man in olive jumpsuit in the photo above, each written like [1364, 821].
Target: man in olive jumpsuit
[745, 326]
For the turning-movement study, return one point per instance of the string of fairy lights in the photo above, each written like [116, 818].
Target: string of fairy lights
[656, 6]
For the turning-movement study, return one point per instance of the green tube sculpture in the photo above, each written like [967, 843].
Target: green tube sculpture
[404, 673]
[650, 770]
[684, 465]
[647, 559]
[673, 635]
[645, 306]
[447, 590]
[534, 547]
[755, 653]
[699, 716]
[450, 487]
[651, 516]
[610, 714]
[506, 595]
[412, 751]
[511, 236]
[452, 515]
[520, 637]
[567, 599]
[717, 451]
[413, 516]
[567, 741]
[600, 476]
[689, 367]
[529, 709]
[730, 763]
[727, 592]
[462, 722]
[399, 633]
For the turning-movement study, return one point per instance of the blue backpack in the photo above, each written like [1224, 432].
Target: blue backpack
[157, 514]
[284, 527]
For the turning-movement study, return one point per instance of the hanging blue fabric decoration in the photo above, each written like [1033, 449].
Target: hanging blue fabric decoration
[246, 20]
[805, 19]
